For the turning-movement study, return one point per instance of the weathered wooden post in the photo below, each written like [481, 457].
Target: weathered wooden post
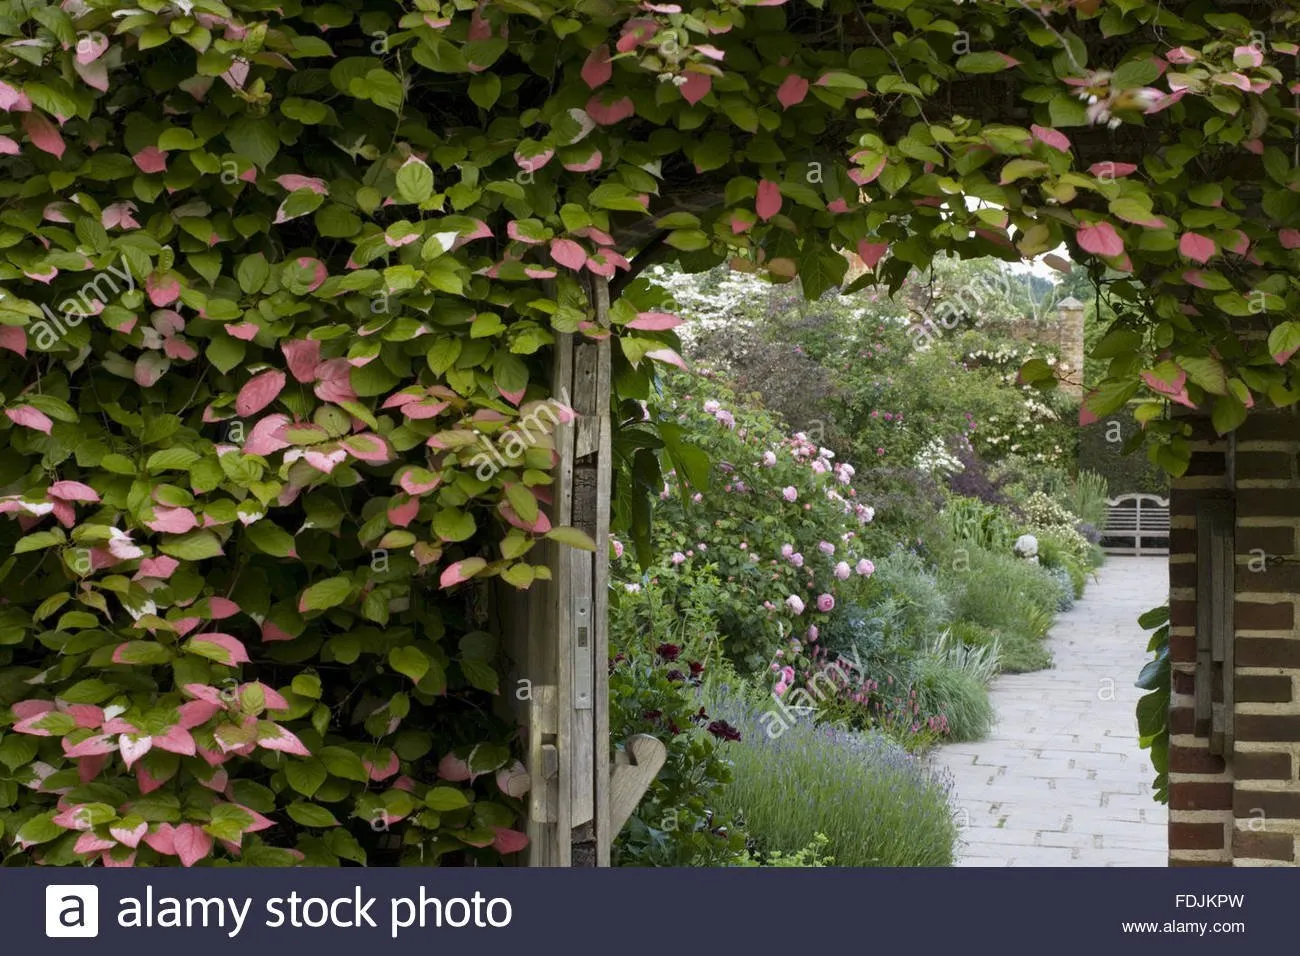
[557, 633]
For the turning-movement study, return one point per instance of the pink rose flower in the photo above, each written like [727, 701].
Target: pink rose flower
[866, 568]
[711, 407]
[795, 603]
[842, 570]
[796, 559]
[769, 459]
[825, 603]
[813, 633]
[787, 550]
[678, 557]
[825, 547]
[790, 493]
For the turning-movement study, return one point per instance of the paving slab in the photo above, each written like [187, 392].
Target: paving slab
[1061, 780]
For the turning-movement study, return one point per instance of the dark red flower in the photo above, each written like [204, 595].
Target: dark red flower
[668, 652]
[673, 728]
[676, 675]
[700, 717]
[723, 730]
[696, 668]
[653, 714]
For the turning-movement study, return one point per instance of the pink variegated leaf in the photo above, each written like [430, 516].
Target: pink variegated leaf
[274, 737]
[73, 491]
[223, 648]
[129, 836]
[43, 134]
[29, 417]
[1100, 239]
[792, 91]
[508, 841]
[609, 113]
[1196, 247]
[461, 571]
[192, 844]
[768, 202]
[258, 392]
[597, 70]
[655, 321]
[151, 159]
[133, 747]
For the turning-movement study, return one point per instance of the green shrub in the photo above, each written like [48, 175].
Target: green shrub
[661, 652]
[1021, 653]
[814, 854]
[923, 607]
[984, 525]
[1066, 583]
[974, 635]
[767, 514]
[952, 679]
[1087, 498]
[876, 804]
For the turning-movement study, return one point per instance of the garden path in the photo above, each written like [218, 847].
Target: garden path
[1061, 780]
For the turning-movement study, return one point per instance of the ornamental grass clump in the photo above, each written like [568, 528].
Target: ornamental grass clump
[876, 804]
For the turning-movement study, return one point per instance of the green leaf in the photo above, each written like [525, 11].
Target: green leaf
[452, 524]
[38, 541]
[270, 538]
[311, 815]
[415, 181]
[225, 352]
[195, 546]
[1135, 73]
[39, 829]
[446, 799]
[305, 775]
[484, 89]
[17, 750]
[985, 61]
[254, 139]
[482, 675]
[409, 661]
[341, 762]
[573, 538]
[171, 459]
[1284, 341]
[1228, 414]
[330, 592]
[252, 273]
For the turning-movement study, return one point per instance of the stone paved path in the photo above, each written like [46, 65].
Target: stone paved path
[1061, 781]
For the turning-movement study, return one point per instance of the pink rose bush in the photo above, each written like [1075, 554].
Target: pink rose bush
[778, 529]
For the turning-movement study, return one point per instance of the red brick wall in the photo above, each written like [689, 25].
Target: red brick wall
[1244, 811]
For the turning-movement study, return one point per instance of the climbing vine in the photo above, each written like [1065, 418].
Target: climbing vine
[280, 284]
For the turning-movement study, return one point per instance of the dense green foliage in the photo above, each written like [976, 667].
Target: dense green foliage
[280, 284]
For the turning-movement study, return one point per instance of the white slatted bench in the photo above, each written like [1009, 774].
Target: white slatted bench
[1134, 519]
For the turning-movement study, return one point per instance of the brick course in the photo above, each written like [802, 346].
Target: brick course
[1226, 811]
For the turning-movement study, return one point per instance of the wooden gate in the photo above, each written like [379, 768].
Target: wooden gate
[557, 634]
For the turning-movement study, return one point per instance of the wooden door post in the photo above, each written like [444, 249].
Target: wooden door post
[557, 632]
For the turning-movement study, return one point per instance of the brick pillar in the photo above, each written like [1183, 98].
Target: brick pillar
[1200, 784]
[1244, 811]
[1266, 794]
[1070, 342]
